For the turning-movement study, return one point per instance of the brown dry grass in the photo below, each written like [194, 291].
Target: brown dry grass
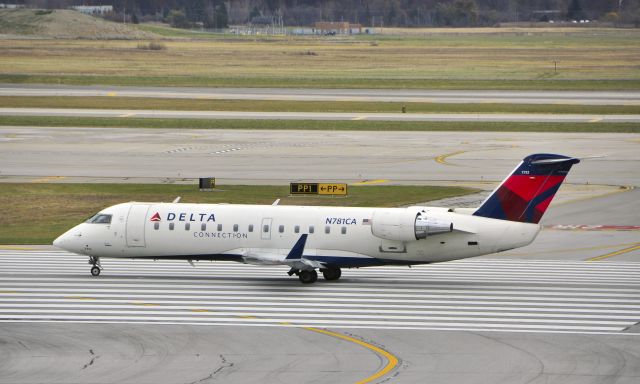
[65, 24]
[583, 56]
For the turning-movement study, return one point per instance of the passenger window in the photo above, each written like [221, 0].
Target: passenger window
[235, 227]
[265, 228]
[327, 229]
[344, 230]
[281, 228]
[296, 229]
[219, 227]
[203, 227]
[156, 225]
[187, 226]
[250, 227]
[311, 229]
[171, 225]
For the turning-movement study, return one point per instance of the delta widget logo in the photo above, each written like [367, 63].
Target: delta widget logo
[184, 216]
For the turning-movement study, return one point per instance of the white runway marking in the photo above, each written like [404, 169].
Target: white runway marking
[475, 294]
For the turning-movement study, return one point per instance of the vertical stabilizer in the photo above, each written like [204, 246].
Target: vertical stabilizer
[527, 192]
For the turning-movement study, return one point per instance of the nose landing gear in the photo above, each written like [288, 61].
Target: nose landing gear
[95, 269]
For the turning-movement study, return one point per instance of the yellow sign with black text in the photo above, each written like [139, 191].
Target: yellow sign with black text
[332, 189]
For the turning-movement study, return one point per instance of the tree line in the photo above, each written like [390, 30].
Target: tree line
[371, 13]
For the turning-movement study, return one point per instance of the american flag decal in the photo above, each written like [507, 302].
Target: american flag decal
[366, 221]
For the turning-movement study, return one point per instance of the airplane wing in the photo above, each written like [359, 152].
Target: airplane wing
[268, 256]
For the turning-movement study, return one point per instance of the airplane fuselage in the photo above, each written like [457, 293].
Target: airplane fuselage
[264, 234]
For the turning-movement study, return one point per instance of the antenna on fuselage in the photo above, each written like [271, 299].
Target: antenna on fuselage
[177, 199]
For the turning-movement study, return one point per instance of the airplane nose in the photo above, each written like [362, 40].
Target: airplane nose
[59, 241]
[66, 240]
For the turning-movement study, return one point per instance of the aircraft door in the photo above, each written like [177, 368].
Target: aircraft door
[265, 229]
[136, 220]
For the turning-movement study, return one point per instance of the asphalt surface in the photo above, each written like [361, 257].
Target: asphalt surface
[386, 95]
[538, 314]
[329, 116]
[144, 321]
[280, 157]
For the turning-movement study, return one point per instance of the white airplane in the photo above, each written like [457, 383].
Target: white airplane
[324, 238]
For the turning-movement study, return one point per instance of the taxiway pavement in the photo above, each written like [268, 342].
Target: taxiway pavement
[293, 94]
[328, 116]
[280, 157]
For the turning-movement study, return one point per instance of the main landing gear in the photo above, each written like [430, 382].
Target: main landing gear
[95, 269]
[308, 276]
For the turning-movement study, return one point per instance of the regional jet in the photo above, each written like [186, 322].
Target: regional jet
[326, 239]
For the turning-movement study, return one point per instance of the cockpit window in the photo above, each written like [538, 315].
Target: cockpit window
[100, 218]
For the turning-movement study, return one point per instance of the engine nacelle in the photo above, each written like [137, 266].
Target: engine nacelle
[406, 225]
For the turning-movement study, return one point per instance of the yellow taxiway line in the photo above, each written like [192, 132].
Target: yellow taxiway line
[616, 253]
[369, 182]
[16, 248]
[47, 179]
[392, 361]
[442, 159]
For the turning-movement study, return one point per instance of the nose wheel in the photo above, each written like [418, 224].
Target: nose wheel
[95, 269]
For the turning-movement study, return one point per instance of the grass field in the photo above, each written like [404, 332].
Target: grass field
[587, 59]
[362, 125]
[38, 213]
[302, 106]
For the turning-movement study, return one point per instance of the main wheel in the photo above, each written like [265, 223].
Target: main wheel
[95, 271]
[331, 273]
[308, 277]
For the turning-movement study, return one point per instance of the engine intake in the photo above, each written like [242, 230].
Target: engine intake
[406, 225]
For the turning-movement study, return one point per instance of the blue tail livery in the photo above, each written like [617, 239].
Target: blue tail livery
[527, 192]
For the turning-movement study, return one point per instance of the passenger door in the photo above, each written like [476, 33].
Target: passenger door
[136, 220]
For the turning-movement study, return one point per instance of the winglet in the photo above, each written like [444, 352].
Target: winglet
[298, 249]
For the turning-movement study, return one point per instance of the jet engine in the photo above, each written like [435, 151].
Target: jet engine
[406, 225]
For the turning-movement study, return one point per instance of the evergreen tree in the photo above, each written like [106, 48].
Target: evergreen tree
[255, 12]
[575, 11]
[222, 17]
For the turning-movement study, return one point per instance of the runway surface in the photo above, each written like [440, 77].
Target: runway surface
[478, 320]
[386, 95]
[473, 295]
[329, 116]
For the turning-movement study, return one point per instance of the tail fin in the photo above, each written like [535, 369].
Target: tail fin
[527, 192]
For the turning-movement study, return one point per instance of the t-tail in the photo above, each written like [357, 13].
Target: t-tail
[527, 192]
